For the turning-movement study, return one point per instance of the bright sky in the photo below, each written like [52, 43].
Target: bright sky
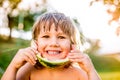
[93, 20]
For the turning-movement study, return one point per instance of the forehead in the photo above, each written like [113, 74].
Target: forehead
[52, 29]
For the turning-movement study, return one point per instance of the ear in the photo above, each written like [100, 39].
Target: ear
[34, 44]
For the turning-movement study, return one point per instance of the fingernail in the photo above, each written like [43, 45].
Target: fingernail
[36, 58]
[34, 63]
[36, 52]
[71, 51]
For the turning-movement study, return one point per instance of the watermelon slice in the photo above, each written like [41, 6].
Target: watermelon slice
[52, 63]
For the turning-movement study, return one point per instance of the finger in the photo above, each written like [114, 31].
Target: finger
[73, 47]
[30, 58]
[26, 58]
[33, 54]
[75, 57]
[33, 50]
[78, 60]
[34, 46]
[75, 60]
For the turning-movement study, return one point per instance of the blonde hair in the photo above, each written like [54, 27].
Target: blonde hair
[45, 21]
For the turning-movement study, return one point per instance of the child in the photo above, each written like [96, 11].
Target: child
[54, 38]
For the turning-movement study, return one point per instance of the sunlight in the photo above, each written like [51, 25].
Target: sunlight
[93, 21]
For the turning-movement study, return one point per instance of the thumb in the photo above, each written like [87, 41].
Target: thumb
[74, 47]
[33, 44]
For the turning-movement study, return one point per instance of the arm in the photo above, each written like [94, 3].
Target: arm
[84, 62]
[22, 57]
[87, 65]
[10, 73]
[93, 75]
[17, 74]
[24, 72]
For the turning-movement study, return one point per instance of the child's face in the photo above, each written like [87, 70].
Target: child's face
[53, 44]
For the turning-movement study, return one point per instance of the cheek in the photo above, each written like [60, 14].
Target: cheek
[41, 45]
[66, 45]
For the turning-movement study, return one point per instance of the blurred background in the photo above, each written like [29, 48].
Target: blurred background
[98, 22]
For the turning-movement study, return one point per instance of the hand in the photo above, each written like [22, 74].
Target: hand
[81, 58]
[25, 55]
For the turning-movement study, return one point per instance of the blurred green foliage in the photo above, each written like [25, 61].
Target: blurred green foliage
[7, 51]
[105, 63]
[110, 75]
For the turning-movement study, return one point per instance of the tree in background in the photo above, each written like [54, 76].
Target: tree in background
[9, 7]
[111, 4]
[24, 18]
[113, 9]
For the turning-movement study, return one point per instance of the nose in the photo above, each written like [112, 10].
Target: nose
[54, 42]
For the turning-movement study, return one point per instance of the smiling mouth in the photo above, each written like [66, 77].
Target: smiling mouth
[53, 52]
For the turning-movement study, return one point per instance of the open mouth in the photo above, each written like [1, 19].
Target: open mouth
[53, 52]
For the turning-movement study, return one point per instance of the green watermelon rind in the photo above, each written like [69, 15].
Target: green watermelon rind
[51, 64]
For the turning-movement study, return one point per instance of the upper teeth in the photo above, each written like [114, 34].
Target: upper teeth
[53, 52]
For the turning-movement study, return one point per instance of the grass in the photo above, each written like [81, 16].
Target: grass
[110, 75]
